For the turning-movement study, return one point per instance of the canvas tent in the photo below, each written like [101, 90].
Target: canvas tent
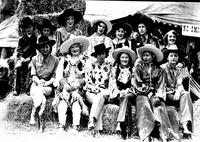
[177, 13]
[184, 14]
[9, 32]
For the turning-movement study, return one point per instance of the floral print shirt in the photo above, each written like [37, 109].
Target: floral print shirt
[147, 79]
[71, 68]
[97, 76]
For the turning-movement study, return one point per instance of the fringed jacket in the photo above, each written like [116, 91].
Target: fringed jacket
[149, 79]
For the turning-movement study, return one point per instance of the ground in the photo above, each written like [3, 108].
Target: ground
[15, 131]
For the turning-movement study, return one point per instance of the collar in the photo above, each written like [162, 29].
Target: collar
[124, 68]
[116, 41]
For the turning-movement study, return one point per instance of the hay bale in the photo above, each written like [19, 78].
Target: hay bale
[19, 109]
[110, 119]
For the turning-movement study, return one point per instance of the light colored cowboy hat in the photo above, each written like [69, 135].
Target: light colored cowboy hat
[125, 26]
[124, 49]
[151, 48]
[108, 24]
[64, 48]
[172, 48]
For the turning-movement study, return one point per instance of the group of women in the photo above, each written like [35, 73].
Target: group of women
[97, 70]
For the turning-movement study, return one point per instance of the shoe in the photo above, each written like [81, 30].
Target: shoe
[118, 129]
[15, 93]
[32, 121]
[185, 129]
[91, 124]
[147, 139]
[61, 129]
[74, 130]
[96, 134]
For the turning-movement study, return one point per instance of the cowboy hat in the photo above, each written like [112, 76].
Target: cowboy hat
[172, 48]
[25, 22]
[43, 40]
[125, 26]
[151, 48]
[46, 23]
[139, 18]
[69, 12]
[100, 48]
[64, 48]
[124, 49]
[108, 24]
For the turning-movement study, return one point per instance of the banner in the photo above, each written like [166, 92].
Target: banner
[191, 30]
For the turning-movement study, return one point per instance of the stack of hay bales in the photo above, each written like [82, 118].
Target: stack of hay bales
[19, 110]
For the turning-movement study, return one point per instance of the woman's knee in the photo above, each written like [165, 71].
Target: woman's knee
[76, 108]
[62, 105]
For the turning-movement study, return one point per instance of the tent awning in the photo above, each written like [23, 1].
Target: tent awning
[9, 32]
[176, 13]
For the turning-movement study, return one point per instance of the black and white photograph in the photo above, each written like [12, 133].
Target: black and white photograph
[99, 70]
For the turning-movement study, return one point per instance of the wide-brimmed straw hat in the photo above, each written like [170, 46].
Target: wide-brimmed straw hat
[100, 48]
[124, 49]
[125, 26]
[150, 48]
[43, 40]
[172, 48]
[69, 12]
[108, 24]
[64, 48]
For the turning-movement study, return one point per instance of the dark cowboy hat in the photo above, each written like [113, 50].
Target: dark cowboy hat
[69, 12]
[43, 40]
[25, 22]
[127, 28]
[100, 48]
[141, 18]
[172, 48]
[46, 23]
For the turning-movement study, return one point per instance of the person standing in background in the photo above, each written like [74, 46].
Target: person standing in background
[67, 19]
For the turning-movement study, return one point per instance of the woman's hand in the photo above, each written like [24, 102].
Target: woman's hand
[123, 93]
[177, 95]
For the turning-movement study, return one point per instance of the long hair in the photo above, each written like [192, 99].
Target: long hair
[165, 38]
[117, 63]
[95, 26]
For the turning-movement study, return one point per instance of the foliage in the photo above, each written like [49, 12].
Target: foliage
[33, 7]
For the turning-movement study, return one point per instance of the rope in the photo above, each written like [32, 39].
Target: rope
[194, 87]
